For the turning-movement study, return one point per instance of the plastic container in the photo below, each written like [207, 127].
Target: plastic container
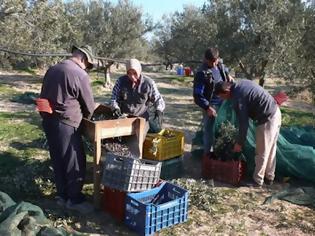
[130, 174]
[164, 145]
[114, 203]
[150, 211]
[180, 70]
[187, 71]
[172, 169]
[231, 172]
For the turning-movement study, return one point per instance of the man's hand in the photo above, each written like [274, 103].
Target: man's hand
[159, 117]
[211, 112]
[117, 112]
[237, 148]
[230, 79]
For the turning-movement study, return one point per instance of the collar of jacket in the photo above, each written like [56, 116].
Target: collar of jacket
[205, 66]
[139, 83]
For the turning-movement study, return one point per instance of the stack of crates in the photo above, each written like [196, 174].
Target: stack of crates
[133, 191]
[166, 146]
[126, 174]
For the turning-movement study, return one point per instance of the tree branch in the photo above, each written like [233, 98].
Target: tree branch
[248, 75]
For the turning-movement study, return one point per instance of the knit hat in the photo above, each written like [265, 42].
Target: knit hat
[87, 50]
[134, 64]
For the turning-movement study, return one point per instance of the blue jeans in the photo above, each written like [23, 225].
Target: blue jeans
[208, 131]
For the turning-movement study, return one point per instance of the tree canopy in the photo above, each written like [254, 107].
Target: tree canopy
[265, 37]
[115, 31]
[257, 37]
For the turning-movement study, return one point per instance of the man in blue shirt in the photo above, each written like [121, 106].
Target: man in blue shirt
[252, 101]
[209, 73]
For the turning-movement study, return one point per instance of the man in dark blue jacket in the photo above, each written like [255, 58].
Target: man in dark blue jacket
[209, 73]
[252, 101]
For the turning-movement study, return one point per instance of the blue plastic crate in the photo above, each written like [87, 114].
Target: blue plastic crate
[152, 210]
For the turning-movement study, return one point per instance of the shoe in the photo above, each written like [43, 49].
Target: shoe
[60, 201]
[268, 182]
[253, 184]
[83, 207]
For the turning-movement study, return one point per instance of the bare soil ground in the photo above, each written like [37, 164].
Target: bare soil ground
[239, 211]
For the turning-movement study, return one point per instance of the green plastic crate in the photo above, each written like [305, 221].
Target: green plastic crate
[172, 169]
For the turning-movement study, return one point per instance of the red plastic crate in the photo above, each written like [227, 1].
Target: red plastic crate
[113, 202]
[231, 172]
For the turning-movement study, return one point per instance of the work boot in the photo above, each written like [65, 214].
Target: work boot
[83, 207]
[253, 184]
[268, 182]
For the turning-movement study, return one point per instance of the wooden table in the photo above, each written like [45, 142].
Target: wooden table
[98, 130]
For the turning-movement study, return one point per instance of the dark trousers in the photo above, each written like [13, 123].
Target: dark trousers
[68, 158]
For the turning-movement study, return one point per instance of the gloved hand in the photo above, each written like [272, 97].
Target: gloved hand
[159, 117]
[117, 112]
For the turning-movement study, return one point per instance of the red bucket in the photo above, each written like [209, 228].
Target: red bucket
[187, 71]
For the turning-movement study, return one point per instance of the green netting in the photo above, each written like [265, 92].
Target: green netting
[25, 98]
[301, 196]
[295, 152]
[24, 218]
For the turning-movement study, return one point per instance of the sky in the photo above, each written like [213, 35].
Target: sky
[156, 8]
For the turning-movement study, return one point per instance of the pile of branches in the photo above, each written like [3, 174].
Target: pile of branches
[224, 143]
[202, 195]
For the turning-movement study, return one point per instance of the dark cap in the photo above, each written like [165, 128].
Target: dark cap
[222, 87]
[87, 50]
